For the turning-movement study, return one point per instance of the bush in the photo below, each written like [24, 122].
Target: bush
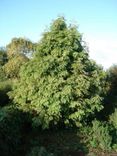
[113, 123]
[100, 136]
[11, 122]
[2, 74]
[113, 119]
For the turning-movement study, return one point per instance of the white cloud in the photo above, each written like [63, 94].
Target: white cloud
[103, 49]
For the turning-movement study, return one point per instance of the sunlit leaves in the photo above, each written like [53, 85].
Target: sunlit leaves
[13, 66]
[20, 46]
[60, 84]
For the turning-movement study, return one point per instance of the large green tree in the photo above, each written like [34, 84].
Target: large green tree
[60, 85]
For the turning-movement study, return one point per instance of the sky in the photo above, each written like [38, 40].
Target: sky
[96, 20]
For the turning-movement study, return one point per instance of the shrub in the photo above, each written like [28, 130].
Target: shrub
[10, 131]
[113, 123]
[113, 119]
[2, 74]
[100, 136]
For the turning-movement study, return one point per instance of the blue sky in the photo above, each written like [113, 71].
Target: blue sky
[97, 20]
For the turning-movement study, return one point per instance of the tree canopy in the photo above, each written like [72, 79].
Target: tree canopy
[60, 85]
[20, 46]
[110, 100]
[12, 67]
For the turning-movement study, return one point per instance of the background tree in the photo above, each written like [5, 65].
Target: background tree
[12, 67]
[5, 85]
[20, 46]
[110, 100]
[60, 85]
[112, 79]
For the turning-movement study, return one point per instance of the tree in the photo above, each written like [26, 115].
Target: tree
[110, 100]
[2, 74]
[60, 85]
[112, 79]
[3, 56]
[20, 46]
[12, 67]
[18, 52]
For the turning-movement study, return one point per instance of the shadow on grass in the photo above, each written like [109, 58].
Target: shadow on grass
[60, 142]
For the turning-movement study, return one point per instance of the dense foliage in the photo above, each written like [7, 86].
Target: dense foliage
[2, 74]
[110, 98]
[60, 85]
[3, 56]
[12, 67]
[10, 131]
[20, 46]
[112, 80]
[57, 101]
